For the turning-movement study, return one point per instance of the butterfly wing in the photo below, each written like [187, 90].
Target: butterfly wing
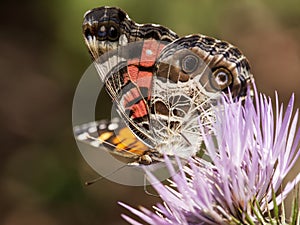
[125, 54]
[191, 74]
[116, 138]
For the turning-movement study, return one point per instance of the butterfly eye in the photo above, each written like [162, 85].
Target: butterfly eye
[113, 33]
[189, 63]
[220, 79]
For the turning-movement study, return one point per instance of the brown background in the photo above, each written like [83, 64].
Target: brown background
[41, 61]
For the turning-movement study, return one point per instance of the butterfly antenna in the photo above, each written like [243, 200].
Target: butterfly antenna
[87, 183]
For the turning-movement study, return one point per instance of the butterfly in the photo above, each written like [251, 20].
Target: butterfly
[161, 85]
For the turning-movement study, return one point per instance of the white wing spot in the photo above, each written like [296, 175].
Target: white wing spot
[82, 137]
[113, 126]
[95, 143]
[149, 52]
[92, 129]
[123, 41]
[102, 126]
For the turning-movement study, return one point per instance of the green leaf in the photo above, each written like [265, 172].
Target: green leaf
[283, 217]
[275, 209]
[295, 210]
[269, 215]
[257, 212]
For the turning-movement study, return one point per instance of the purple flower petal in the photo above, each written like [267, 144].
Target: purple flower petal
[252, 149]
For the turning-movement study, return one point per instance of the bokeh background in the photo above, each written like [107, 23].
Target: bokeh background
[42, 58]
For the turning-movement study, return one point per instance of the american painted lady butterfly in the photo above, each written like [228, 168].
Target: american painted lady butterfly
[161, 85]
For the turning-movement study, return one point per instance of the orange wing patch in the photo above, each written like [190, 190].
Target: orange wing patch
[124, 142]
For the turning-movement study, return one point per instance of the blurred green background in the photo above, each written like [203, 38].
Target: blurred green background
[42, 59]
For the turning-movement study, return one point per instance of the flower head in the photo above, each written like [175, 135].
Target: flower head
[251, 150]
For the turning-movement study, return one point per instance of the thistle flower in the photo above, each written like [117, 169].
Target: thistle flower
[251, 149]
